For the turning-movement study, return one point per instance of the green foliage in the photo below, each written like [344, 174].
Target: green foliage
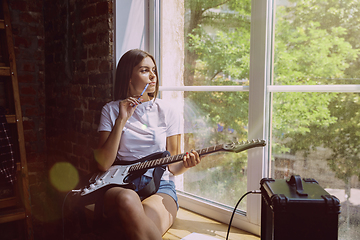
[307, 53]
[343, 137]
[219, 183]
[224, 52]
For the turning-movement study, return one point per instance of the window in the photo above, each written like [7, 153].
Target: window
[285, 71]
[315, 100]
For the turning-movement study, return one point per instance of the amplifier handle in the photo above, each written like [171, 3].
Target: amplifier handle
[296, 180]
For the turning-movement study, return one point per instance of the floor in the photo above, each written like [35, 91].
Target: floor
[191, 226]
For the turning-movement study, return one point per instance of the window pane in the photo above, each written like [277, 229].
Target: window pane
[317, 135]
[316, 42]
[217, 40]
[213, 118]
[217, 48]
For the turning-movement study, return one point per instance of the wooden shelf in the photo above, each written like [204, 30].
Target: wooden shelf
[12, 215]
[10, 118]
[8, 202]
[4, 71]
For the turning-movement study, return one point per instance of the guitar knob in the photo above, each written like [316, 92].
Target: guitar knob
[86, 190]
[92, 186]
[98, 182]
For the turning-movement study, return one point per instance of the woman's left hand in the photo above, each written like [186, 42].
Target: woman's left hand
[191, 159]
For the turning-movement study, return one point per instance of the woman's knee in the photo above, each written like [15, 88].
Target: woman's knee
[122, 201]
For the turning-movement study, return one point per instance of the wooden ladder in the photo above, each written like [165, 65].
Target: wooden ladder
[18, 207]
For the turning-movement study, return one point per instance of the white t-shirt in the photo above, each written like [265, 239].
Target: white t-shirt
[146, 130]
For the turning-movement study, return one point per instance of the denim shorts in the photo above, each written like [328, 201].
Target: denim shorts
[167, 187]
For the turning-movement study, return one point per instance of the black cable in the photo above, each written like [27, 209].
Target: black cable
[62, 212]
[232, 216]
[62, 215]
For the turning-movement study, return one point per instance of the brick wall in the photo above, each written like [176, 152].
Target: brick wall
[64, 56]
[28, 36]
[79, 64]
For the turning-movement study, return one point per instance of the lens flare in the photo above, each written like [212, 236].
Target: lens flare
[64, 176]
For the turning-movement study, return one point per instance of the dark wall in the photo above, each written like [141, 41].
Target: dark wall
[78, 70]
[64, 56]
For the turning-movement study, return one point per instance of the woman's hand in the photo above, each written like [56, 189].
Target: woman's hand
[191, 159]
[127, 107]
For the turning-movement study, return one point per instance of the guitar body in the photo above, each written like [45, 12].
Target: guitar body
[117, 175]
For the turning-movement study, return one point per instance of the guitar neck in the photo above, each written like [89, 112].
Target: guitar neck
[233, 147]
[171, 159]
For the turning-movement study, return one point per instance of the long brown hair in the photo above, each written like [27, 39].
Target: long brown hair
[124, 71]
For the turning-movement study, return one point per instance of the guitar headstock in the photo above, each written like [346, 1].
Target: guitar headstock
[244, 145]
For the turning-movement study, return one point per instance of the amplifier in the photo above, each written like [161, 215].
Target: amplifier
[297, 209]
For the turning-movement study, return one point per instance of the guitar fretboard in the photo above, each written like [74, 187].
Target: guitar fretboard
[171, 159]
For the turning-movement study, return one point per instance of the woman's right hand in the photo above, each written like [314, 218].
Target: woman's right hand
[109, 142]
[127, 107]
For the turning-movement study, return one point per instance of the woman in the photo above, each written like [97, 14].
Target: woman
[132, 127]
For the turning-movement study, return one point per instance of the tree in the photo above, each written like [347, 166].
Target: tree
[313, 47]
[317, 44]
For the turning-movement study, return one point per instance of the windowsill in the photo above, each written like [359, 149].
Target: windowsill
[218, 212]
[188, 222]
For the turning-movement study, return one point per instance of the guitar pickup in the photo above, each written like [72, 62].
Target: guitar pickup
[115, 173]
[105, 175]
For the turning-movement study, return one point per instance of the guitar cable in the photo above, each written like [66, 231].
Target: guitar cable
[232, 216]
[62, 211]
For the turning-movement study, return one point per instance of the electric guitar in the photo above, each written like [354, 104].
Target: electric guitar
[122, 175]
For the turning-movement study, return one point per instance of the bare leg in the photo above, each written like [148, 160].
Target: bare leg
[161, 209]
[149, 219]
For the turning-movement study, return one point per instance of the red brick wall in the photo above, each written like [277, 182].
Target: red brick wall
[79, 64]
[28, 36]
[64, 56]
